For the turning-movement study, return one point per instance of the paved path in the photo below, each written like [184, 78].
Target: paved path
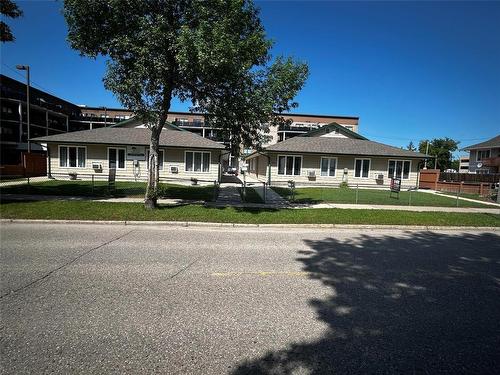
[271, 197]
[402, 208]
[100, 299]
[230, 196]
[449, 194]
[28, 197]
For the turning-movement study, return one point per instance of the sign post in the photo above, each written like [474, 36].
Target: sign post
[111, 180]
[395, 186]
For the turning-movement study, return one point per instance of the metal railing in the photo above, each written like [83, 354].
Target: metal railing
[97, 185]
[375, 195]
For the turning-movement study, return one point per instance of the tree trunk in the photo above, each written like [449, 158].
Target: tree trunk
[151, 198]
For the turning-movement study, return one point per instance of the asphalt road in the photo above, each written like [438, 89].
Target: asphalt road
[121, 299]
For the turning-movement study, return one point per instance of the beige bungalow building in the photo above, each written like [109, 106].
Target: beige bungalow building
[332, 155]
[183, 155]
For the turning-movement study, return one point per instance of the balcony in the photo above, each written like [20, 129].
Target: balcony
[491, 162]
[297, 128]
[189, 124]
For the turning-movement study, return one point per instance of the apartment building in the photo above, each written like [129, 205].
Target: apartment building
[300, 124]
[49, 115]
[463, 166]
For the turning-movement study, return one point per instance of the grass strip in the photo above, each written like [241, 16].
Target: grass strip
[86, 210]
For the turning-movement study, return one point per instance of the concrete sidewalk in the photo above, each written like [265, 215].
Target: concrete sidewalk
[28, 197]
[25, 197]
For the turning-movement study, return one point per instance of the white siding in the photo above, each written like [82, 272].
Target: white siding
[99, 154]
[378, 165]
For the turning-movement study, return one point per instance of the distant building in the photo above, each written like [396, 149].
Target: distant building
[484, 157]
[463, 166]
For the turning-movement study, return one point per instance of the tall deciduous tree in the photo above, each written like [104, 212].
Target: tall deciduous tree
[9, 9]
[442, 149]
[213, 53]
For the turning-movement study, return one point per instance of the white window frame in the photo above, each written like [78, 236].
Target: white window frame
[329, 162]
[124, 161]
[361, 171]
[163, 164]
[201, 152]
[67, 156]
[482, 150]
[293, 168]
[402, 169]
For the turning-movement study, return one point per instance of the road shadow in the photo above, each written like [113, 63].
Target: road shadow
[426, 303]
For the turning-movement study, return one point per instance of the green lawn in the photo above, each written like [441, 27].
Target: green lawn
[87, 210]
[251, 196]
[371, 196]
[122, 189]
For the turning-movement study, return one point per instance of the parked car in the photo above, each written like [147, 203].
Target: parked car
[232, 171]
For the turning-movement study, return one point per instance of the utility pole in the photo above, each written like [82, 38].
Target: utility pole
[27, 68]
[426, 153]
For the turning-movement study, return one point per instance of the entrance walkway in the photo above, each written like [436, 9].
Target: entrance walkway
[229, 195]
[271, 197]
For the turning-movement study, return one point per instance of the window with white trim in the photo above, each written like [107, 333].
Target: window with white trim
[196, 161]
[160, 159]
[399, 169]
[289, 165]
[116, 158]
[482, 154]
[72, 156]
[362, 168]
[328, 166]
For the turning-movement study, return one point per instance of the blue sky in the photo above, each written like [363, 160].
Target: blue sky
[409, 70]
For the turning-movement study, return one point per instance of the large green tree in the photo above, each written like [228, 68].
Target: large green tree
[442, 149]
[9, 9]
[212, 53]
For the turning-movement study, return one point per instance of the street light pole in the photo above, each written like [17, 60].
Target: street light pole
[426, 153]
[27, 68]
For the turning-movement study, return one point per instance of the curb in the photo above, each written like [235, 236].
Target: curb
[198, 224]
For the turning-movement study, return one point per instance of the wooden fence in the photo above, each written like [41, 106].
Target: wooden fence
[32, 165]
[491, 178]
[435, 180]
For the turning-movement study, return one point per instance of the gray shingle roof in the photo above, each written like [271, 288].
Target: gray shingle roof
[333, 125]
[131, 136]
[493, 142]
[341, 146]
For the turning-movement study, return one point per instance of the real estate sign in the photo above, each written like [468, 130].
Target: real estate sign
[395, 185]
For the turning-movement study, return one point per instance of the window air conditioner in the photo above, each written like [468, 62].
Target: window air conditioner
[174, 170]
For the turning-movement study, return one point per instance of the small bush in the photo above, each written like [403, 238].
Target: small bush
[344, 185]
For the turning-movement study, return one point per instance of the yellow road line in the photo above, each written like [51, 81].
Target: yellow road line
[263, 273]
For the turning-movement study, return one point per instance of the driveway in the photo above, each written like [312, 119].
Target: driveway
[123, 299]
